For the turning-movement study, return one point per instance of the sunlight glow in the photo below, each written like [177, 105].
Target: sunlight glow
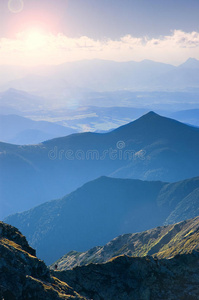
[35, 39]
[36, 46]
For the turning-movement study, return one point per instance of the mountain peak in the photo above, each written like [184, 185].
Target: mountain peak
[152, 126]
[151, 114]
[191, 62]
[191, 59]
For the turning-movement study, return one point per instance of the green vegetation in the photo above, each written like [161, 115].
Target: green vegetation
[160, 242]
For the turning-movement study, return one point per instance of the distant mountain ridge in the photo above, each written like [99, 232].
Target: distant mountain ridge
[190, 116]
[19, 130]
[190, 63]
[103, 209]
[21, 101]
[150, 148]
[105, 75]
[161, 242]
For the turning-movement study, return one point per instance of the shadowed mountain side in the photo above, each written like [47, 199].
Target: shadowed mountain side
[161, 242]
[98, 212]
[188, 206]
[150, 148]
[94, 213]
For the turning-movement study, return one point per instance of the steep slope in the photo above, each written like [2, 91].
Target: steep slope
[98, 212]
[188, 206]
[22, 275]
[161, 242]
[150, 148]
[138, 278]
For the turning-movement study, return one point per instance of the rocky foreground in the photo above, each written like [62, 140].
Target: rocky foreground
[137, 278]
[22, 275]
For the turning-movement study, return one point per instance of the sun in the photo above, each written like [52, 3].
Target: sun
[35, 39]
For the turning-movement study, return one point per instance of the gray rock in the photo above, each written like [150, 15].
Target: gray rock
[137, 278]
[22, 275]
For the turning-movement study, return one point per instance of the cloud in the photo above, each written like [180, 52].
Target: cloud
[54, 49]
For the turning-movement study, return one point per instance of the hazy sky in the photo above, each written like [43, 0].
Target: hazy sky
[54, 31]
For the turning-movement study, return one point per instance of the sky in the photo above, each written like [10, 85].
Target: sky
[34, 32]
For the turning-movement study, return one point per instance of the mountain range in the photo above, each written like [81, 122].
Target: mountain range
[73, 78]
[28, 104]
[102, 210]
[160, 242]
[14, 101]
[151, 148]
[99, 111]
[96, 111]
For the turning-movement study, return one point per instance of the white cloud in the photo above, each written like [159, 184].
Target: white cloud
[38, 48]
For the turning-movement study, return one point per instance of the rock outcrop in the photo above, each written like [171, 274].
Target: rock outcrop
[162, 242]
[22, 275]
[135, 278]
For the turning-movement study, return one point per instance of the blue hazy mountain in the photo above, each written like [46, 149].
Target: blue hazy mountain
[21, 101]
[76, 78]
[19, 130]
[189, 116]
[151, 148]
[190, 63]
[101, 210]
